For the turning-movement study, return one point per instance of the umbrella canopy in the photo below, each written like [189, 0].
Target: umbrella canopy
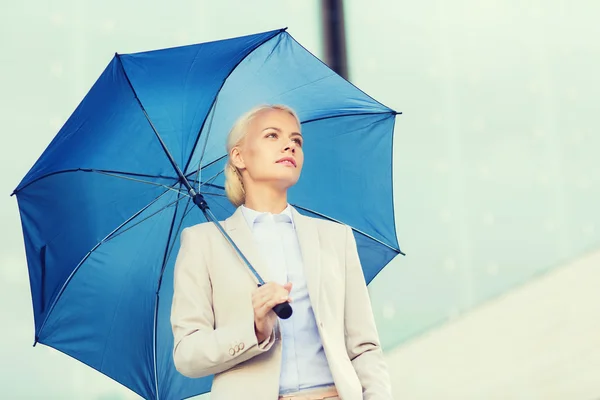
[103, 207]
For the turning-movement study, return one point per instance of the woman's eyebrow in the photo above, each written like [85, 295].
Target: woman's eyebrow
[279, 130]
[272, 127]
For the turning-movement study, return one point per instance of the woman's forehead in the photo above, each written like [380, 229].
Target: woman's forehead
[273, 118]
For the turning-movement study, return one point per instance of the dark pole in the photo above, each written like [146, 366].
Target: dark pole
[334, 36]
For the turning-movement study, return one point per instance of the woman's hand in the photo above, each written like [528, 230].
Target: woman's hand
[264, 299]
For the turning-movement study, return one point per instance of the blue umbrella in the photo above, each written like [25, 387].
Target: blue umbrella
[103, 207]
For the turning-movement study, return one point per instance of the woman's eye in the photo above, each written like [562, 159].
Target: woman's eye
[298, 141]
[272, 134]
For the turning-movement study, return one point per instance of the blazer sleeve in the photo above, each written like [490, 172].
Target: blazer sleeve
[362, 338]
[200, 349]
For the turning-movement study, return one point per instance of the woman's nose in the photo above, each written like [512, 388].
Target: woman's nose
[290, 146]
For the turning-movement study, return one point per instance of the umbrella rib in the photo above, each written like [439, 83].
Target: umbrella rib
[178, 170]
[143, 181]
[154, 339]
[101, 171]
[157, 296]
[187, 164]
[212, 117]
[218, 203]
[171, 247]
[212, 178]
[215, 194]
[391, 153]
[168, 252]
[211, 163]
[213, 185]
[185, 214]
[139, 222]
[353, 228]
[72, 274]
[349, 115]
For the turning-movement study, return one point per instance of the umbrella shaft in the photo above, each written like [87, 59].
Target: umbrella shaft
[201, 203]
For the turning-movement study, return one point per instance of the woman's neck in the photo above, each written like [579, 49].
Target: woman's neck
[266, 199]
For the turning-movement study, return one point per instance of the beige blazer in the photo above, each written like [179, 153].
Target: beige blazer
[213, 319]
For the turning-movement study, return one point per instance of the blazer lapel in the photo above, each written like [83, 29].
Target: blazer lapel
[237, 228]
[308, 238]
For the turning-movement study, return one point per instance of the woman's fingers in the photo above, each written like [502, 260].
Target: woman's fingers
[268, 296]
[272, 290]
[264, 298]
[264, 305]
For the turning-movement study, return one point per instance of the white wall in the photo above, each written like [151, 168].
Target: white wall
[540, 341]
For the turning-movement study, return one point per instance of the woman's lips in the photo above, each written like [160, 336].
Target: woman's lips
[287, 161]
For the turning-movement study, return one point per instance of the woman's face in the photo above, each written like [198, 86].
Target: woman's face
[271, 152]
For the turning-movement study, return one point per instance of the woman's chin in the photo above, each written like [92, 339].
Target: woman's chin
[287, 184]
[277, 181]
[284, 183]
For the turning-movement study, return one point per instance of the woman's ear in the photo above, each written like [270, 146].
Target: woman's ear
[236, 158]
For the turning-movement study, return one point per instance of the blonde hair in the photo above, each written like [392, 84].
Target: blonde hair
[234, 185]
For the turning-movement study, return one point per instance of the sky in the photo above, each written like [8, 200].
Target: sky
[496, 164]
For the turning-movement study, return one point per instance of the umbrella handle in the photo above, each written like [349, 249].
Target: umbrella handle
[283, 310]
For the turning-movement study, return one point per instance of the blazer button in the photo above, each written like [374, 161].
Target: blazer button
[237, 348]
[231, 351]
[242, 346]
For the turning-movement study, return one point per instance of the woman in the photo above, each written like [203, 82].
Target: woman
[223, 324]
